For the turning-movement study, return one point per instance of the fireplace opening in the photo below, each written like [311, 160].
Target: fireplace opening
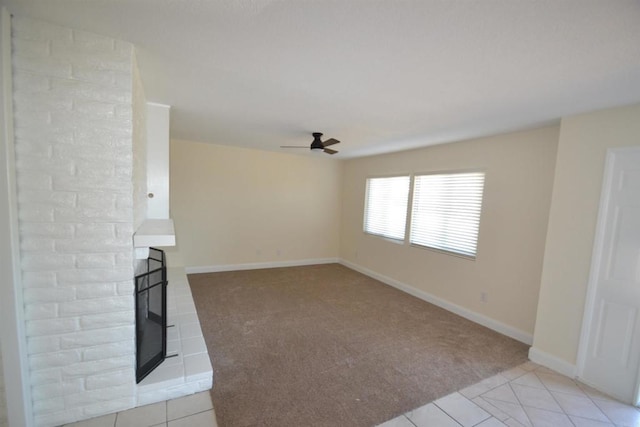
[151, 314]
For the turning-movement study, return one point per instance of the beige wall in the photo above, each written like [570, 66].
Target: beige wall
[582, 147]
[519, 176]
[238, 206]
[229, 202]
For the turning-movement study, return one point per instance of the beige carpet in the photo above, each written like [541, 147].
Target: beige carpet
[326, 346]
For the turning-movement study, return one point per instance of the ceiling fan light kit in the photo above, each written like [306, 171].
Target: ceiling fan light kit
[317, 145]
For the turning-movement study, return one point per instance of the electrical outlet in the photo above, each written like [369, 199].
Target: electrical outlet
[484, 297]
[278, 252]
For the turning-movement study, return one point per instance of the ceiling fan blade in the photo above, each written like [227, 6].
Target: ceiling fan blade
[295, 146]
[330, 151]
[330, 141]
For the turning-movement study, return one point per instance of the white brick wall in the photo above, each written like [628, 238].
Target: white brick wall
[74, 132]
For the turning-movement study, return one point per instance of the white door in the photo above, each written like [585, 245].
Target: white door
[610, 357]
[158, 160]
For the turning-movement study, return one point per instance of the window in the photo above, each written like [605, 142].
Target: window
[385, 212]
[446, 211]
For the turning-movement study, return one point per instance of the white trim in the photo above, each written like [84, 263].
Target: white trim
[594, 272]
[157, 104]
[481, 319]
[14, 346]
[259, 265]
[552, 362]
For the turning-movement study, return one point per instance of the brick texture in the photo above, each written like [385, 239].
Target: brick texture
[74, 139]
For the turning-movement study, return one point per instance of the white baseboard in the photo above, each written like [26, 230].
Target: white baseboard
[259, 265]
[481, 319]
[552, 362]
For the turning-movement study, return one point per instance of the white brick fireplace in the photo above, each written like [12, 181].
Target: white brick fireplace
[80, 147]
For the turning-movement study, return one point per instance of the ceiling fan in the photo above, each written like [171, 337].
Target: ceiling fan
[317, 144]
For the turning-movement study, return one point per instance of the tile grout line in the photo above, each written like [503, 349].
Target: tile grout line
[563, 410]
[594, 401]
[508, 381]
[496, 408]
[409, 419]
[590, 399]
[447, 414]
[487, 419]
[190, 415]
[556, 400]
[536, 372]
[520, 402]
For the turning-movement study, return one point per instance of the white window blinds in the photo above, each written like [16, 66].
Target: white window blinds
[446, 211]
[385, 212]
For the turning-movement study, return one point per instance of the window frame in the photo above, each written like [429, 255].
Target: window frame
[403, 239]
[411, 211]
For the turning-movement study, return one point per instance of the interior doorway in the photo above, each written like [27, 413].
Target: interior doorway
[609, 355]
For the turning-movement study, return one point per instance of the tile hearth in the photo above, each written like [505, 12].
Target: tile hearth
[187, 368]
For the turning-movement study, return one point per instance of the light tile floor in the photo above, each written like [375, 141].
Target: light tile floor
[195, 410]
[528, 395]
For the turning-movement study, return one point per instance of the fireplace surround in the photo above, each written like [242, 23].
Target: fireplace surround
[79, 134]
[151, 314]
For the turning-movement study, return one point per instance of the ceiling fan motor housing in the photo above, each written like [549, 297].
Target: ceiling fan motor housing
[317, 144]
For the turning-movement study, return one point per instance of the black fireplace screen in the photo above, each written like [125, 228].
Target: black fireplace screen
[151, 315]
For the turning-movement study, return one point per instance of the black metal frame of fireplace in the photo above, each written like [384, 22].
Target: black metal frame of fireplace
[151, 297]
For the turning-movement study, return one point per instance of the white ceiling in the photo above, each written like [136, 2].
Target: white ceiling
[380, 76]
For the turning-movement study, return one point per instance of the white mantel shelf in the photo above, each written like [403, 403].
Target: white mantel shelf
[153, 232]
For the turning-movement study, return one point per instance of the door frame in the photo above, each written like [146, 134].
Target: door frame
[12, 325]
[594, 272]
